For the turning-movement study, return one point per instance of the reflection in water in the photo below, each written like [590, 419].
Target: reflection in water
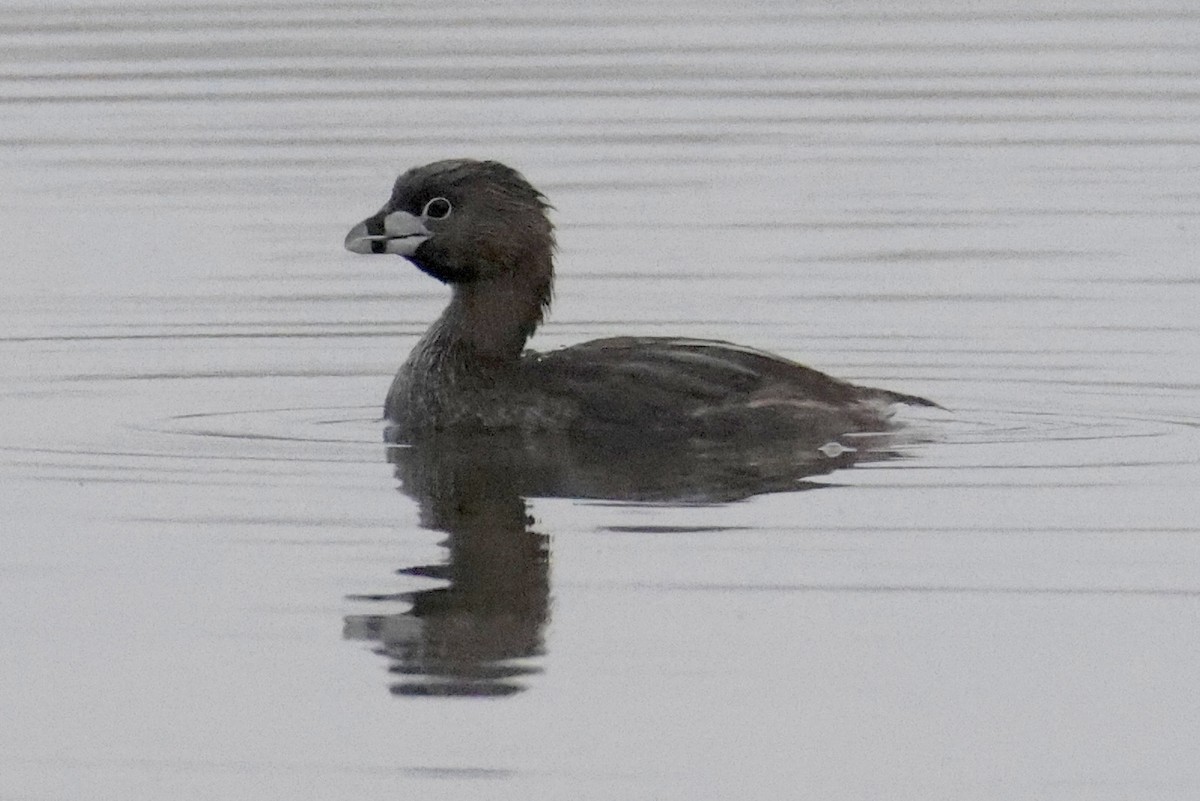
[466, 638]
[475, 635]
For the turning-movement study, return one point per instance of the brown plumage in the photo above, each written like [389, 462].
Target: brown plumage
[481, 228]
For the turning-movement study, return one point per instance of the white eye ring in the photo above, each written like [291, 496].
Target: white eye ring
[437, 209]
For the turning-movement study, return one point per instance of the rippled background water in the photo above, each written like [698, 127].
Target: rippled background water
[208, 576]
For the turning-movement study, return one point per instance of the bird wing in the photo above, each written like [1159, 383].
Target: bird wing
[702, 386]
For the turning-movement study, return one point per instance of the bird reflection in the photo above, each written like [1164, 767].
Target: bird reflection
[470, 636]
[481, 632]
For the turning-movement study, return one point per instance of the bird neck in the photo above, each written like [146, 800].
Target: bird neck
[488, 322]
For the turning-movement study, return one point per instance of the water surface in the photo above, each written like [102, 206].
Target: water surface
[214, 589]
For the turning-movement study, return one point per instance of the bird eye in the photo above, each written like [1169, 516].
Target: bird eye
[437, 209]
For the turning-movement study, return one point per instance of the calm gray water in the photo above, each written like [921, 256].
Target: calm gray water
[215, 584]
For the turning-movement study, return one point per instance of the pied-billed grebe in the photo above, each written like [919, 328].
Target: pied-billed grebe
[481, 228]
